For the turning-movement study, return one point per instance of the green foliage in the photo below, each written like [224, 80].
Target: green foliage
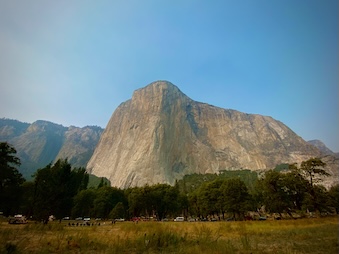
[210, 199]
[270, 192]
[219, 197]
[26, 206]
[83, 203]
[236, 196]
[106, 199]
[192, 182]
[55, 187]
[118, 211]
[95, 181]
[334, 197]
[295, 187]
[10, 179]
[62, 191]
[294, 190]
[316, 198]
[313, 169]
[138, 201]
[281, 167]
[163, 199]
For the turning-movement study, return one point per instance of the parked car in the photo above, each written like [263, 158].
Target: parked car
[17, 219]
[179, 219]
[87, 219]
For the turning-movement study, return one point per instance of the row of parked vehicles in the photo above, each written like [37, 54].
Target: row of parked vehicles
[17, 219]
[20, 219]
[89, 219]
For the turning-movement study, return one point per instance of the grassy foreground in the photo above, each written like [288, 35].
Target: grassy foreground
[317, 235]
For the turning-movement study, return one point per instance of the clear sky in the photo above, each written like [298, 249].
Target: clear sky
[73, 62]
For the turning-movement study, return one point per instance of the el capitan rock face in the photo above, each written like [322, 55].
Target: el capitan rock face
[160, 135]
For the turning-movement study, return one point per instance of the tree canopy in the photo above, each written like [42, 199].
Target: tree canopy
[55, 186]
[62, 191]
[10, 179]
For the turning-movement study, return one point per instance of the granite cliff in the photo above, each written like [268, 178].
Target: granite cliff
[160, 135]
[43, 142]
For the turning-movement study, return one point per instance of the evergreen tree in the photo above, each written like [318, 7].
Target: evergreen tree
[236, 197]
[55, 187]
[10, 180]
[334, 197]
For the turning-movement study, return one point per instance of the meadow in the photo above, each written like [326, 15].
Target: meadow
[311, 235]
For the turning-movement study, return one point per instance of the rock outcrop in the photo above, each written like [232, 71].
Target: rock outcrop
[42, 142]
[160, 135]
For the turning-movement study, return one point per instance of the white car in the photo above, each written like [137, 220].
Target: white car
[179, 219]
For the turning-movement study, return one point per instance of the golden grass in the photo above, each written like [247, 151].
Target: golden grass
[317, 235]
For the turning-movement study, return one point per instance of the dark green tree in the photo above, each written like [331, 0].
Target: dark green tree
[210, 199]
[193, 207]
[313, 170]
[102, 183]
[164, 199]
[83, 203]
[236, 197]
[106, 199]
[318, 200]
[139, 201]
[55, 187]
[270, 192]
[295, 187]
[334, 197]
[183, 204]
[26, 206]
[10, 179]
[79, 179]
[118, 211]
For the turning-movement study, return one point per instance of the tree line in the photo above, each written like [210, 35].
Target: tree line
[62, 191]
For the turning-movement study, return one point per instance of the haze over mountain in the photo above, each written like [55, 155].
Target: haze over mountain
[42, 142]
[322, 147]
[160, 134]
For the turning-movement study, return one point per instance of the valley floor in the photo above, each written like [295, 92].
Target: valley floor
[315, 235]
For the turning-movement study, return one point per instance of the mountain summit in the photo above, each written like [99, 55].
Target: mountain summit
[160, 135]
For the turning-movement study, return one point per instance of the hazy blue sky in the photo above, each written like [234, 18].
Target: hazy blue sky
[74, 62]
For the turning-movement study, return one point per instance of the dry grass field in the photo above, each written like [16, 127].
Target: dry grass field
[316, 235]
